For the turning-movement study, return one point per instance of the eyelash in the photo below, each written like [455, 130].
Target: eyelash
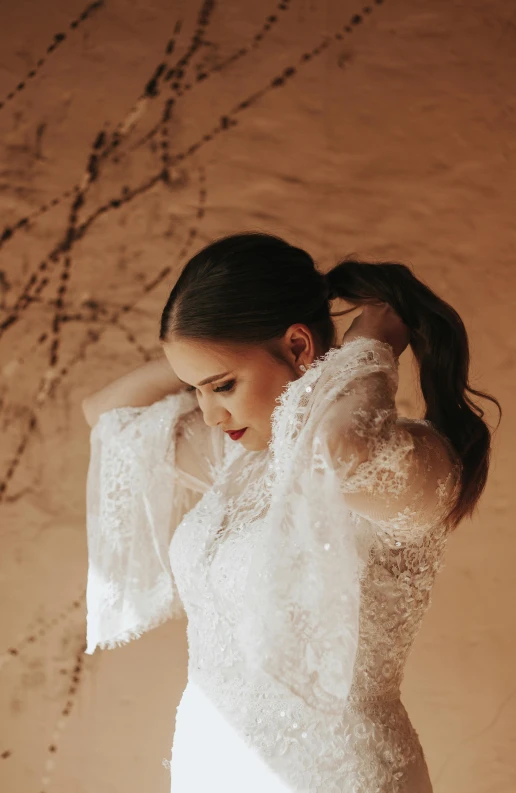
[223, 388]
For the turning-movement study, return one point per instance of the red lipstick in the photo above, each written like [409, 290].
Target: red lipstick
[237, 434]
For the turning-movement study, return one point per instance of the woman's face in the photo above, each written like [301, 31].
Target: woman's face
[237, 385]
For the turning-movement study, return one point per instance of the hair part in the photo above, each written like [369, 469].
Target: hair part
[250, 288]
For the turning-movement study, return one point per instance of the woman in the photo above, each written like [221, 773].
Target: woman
[287, 508]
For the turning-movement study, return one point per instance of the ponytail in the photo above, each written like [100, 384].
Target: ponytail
[440, 344]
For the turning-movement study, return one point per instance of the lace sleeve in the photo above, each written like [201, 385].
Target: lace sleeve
[342, 462]
[398, 473]
[147, 468]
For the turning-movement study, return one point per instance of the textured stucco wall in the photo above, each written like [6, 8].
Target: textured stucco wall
[396, 140]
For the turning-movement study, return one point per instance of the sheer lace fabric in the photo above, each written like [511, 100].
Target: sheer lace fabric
[134, 500]
[304, 570]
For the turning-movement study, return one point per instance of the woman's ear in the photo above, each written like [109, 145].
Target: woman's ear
[300, 344]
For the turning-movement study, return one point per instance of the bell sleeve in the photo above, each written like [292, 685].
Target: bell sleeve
[148, 467]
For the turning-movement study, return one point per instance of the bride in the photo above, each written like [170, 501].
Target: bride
[259, 479]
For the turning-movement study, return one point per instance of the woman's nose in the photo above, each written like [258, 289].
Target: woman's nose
[214, 415]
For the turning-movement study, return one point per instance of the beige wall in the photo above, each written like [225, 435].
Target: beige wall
[397, 141]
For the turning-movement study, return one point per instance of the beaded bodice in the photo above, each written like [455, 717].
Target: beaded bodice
[304, 570]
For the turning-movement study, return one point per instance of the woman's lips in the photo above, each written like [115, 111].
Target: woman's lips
[237, 434]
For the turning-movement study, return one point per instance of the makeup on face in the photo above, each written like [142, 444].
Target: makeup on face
[236, 435]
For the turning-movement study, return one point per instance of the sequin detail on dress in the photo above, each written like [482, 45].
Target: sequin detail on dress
[396, 479]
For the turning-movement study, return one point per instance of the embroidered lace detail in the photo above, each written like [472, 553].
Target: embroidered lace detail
[304, 570]
[370, 746]
[135, 496]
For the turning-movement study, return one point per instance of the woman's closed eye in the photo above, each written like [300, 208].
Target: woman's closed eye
[226, 387]
[222, 388]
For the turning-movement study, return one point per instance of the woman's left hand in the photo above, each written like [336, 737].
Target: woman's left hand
[380, 321]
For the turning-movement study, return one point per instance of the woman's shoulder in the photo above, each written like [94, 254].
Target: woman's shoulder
[425, 429]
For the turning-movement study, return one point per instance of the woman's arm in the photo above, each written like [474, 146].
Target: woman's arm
[140, 387]
[391, 471]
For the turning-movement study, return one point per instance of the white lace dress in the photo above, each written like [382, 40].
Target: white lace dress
[304, 571]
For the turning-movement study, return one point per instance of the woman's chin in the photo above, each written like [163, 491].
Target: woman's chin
[253, 442]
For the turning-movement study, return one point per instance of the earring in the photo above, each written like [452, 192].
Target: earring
[303, 367]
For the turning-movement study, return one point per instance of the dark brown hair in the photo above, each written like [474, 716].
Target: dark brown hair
[249, 288]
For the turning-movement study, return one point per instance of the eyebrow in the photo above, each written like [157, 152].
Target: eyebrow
[208, 379]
